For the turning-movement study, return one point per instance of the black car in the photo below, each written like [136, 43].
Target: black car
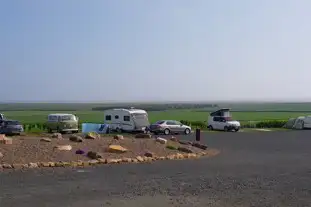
[11, 127]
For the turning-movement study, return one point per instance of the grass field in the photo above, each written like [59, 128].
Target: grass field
[190, 115]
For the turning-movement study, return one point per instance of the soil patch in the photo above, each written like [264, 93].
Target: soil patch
[26, 149]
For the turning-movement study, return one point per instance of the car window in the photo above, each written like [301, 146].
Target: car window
[53, 118]
[216, 118]
[159, 122]
[126, 118]
[12, 123]
[171, 123]
[68, 118]
[178, 123]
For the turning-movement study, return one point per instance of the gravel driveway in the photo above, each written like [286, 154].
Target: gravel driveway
[253, 169]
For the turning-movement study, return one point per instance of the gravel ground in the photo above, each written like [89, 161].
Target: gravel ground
[27, 149]
[253, 169]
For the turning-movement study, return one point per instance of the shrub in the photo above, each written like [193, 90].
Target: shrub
[271, 124]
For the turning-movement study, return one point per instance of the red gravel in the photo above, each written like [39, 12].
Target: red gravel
[27, 149]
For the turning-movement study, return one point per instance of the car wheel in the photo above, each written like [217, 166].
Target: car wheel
[210, 127]
[187, 131]
[166, 131]
[226, 129]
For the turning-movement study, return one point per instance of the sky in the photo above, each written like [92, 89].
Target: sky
[161, 50]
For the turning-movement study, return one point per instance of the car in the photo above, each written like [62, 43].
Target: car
[62, 123]
[11, 127]
[222, 120]
[169, 127]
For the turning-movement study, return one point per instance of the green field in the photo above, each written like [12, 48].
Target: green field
[29, 113]
[190, 115]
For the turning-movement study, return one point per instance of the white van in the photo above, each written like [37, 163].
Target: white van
[221, 120]
[126, 120]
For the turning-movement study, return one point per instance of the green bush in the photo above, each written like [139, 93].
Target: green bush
[271, 124]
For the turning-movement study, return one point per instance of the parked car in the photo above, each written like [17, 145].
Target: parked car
[169, 127]
[222, 120]
[11, 127]
[63, 123]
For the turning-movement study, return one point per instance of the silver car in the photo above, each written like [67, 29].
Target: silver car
[169, 127]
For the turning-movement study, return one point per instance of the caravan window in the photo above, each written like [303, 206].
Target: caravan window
[108, 117]
[126, 118]
[116, 117]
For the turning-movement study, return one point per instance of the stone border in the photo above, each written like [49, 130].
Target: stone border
[99, 161]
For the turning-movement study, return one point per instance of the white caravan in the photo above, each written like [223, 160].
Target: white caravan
[127, 120]
[221, 120]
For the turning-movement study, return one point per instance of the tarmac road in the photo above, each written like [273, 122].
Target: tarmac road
[253, 169]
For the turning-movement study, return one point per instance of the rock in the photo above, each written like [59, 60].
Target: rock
[94, 155]
[93, 162]
[75, 138]
[148, 136]
[174, 139]
[32, 165]
[7, 166]
[140, 159]
[200, 146]
[184, 149]
[2, 136]
[6, 140]
[46, 140]
[63, 147]
[149, 154]
[125, 159]
[1, 155]
[118, 137]
[57, 135]
[92, 135]
[80, 152]
[184, 142]
[116, 149]
[161, 140]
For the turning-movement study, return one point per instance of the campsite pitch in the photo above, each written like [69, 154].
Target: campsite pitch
[73, 150]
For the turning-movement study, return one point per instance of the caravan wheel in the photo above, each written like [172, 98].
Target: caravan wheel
[119, 130]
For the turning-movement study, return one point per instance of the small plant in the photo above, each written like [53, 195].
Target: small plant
[171, 147]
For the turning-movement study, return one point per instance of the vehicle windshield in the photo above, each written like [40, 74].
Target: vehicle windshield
[159, 122]
[68, 118]
[12, 123]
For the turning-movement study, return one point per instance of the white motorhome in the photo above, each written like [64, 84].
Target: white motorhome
[127, 120]
[221, 120]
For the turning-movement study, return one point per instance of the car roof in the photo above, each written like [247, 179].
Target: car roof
[60, 114]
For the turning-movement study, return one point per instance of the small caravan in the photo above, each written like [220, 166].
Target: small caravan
[221, 120]
[127, 120]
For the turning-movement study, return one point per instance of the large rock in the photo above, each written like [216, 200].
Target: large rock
[6, 140]
[57, 135]
[161, 140]
[149, 154]
[75, 138]
[200, 146]
[45, 140]
[174, 139]
[185, 142]
[2, 136]
[142, 135]
[118, 137]
[63, 147]
[92, 135]
[79, 152]
[184, 149]
[94, 155]
[1, 155]
[116, 149]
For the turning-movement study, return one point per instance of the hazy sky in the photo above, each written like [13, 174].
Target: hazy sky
[179, 50]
